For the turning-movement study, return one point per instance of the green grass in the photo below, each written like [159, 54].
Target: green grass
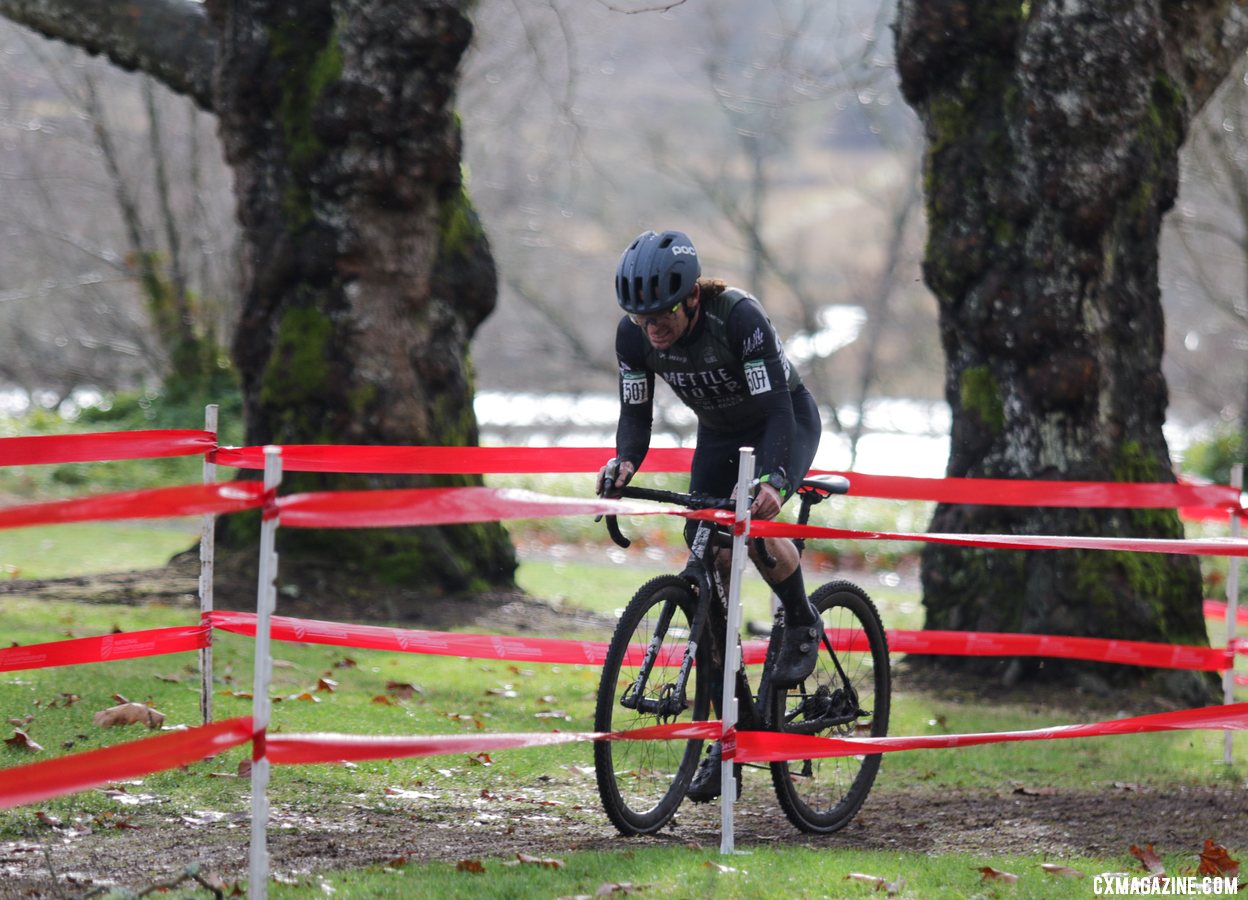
[64, 551]
[452, 695]
[781, 873]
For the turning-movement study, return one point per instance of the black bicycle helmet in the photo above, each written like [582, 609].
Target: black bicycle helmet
[656, 272]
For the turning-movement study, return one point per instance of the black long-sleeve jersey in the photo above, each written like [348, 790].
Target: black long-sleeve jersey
[730, 370]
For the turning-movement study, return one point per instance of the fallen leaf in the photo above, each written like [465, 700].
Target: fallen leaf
[203, 817]
[988, 873]
[547, 863]
[481, 759]
[345, 663]
[608, 888]
[128, 713]
[108, 820]
[383, 700]
[470, 865]
[404, 794]
[1215, 861]
[169, 679]
[404, 690]
[241, 695]
[50, 821]
[22, 741]
[505, 691]
[306, 697]
[120, 699]
[1062, 871]
[326, 684]
[244, 768]
[890, 887]
[1036, 792]
[1126, 786]
[614, 887]
[121, 795]
[874, 880]
[22, 722]
[1151, 861]
[711, 864]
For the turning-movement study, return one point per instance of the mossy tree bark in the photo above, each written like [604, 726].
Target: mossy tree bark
[365, 268]
[367, 271]
[1053, 131]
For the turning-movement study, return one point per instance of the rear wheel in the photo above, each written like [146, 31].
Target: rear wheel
[846, 696]
[642, 783]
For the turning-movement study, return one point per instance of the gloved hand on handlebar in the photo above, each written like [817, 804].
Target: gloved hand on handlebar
[613, 476]
[766, 503]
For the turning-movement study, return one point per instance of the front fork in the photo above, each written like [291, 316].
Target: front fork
[673, 699]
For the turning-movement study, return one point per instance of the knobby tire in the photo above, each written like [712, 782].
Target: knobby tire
[821, 796]
[642, 783]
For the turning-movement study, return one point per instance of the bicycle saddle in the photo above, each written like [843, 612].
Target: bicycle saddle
[824, 485]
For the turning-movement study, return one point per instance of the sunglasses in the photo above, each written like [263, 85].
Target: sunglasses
[647, 321]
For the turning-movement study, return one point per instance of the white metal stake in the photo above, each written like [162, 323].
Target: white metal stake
[1232, 613]
[732, 648]
[266, 601]
[207, 559]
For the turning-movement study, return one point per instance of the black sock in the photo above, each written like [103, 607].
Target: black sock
[792, 594]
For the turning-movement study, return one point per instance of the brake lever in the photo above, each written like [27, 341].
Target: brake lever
[612, 472]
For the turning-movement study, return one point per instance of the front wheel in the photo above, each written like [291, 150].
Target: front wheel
[642, 783]
[846, 696]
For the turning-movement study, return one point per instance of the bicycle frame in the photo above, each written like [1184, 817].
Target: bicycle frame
[687, 626]
[703, 574]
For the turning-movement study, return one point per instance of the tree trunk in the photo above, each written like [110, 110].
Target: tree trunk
[366, 270]
[1053, 132]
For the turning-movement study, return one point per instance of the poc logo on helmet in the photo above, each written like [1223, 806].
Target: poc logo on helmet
[679, 250]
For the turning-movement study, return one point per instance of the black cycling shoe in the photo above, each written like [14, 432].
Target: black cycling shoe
[799, 650]
[707, 781]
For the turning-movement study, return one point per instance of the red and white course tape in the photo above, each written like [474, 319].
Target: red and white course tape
[52, 778]
[104, 648]
[39, 781]
[153, 503]
[99, 447]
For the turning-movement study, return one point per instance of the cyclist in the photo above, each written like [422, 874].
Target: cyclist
[717, 350]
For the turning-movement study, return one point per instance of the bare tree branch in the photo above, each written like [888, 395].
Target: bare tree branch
[661, 8]
[554, 315]
[171, 40]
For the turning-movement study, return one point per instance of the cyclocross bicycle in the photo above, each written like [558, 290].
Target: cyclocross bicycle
[665, 664]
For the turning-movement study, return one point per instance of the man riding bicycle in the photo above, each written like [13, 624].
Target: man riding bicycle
[717, 350]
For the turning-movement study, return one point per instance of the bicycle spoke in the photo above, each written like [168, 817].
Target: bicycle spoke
[846, 696]
[643, 782]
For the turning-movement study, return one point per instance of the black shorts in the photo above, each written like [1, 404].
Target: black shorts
[717, 457]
